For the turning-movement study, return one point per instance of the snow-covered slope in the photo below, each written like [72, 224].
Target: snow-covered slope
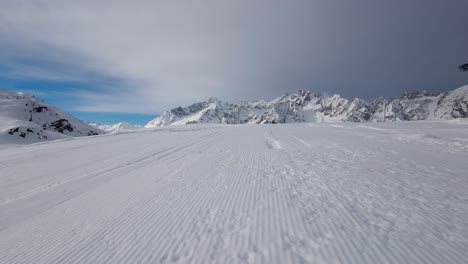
[424, 105]
[214, 111]
[26, 119]
[116, 128]
[307, 107]
[453, 104]
[363, 193]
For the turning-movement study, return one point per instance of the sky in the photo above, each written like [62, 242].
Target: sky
[131, 60]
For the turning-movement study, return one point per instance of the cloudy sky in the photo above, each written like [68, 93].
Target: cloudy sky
[104, 58]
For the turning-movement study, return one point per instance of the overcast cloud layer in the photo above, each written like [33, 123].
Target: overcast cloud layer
[147, 56]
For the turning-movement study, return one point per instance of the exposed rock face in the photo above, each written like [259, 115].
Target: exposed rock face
[60, 125]
[307, 107]
[25, 118]
[453, 104]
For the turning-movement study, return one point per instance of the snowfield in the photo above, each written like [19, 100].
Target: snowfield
[294, 193]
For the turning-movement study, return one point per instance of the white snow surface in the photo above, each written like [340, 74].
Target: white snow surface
[294, 193]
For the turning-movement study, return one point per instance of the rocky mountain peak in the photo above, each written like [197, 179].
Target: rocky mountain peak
[25, 118]
[304, 106]
[418, 94]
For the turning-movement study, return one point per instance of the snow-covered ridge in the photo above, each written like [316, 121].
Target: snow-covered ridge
[27, 119]
[305, 106]
[116, 128]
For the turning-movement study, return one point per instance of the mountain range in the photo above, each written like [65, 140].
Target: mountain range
[27, 119]
[305, 106]
[115, 128]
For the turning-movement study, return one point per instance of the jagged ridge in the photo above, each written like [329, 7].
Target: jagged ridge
[305, 106]
[115, 128]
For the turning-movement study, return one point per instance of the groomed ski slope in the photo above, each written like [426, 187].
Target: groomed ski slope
[298, 193]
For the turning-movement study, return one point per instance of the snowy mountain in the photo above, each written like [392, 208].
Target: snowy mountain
[27, 119]
[424, 105]
[305, 106]
[115, 128]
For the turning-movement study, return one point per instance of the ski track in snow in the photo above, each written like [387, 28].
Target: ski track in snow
[271, 142]
[299, 193]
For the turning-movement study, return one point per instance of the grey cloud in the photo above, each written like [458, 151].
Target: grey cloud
[170, 53]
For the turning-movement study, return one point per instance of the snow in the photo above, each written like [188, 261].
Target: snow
[25, 119]
[116, 128]
[195, 117]
[305, 106]
[295, 193]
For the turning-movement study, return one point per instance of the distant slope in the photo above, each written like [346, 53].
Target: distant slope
[115, 128]
[305, 106]
[27, 119]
